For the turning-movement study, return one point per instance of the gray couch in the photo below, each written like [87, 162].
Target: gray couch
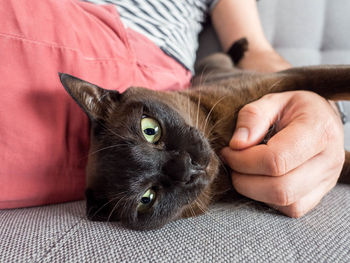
[304, 32]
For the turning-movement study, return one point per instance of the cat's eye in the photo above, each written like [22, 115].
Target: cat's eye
[151, 129]
[147, 200]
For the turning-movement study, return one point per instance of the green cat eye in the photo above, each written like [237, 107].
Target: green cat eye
[151, 129]
[147, 200]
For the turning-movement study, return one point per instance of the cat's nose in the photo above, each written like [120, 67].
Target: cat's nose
[194, 173]
[181, 168]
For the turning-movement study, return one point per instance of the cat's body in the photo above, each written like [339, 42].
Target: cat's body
[153, 155]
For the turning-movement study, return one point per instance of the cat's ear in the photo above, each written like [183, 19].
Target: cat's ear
[95, 101]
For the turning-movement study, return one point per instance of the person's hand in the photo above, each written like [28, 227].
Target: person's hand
[299, 164]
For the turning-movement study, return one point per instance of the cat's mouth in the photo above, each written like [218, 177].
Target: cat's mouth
[192, 201]
[152, 208]
[194, 177]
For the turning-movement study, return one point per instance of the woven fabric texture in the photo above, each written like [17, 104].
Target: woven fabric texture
[241, 231]
[305, 32]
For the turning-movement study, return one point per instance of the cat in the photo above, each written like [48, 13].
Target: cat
[154, 154]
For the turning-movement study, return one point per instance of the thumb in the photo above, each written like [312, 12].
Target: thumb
[255, 119]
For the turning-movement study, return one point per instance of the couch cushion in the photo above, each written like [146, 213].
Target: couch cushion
[308, 32]
[240, 231]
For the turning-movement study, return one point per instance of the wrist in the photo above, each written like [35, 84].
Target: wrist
[263, 60]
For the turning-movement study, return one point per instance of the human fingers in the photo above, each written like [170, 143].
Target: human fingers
[285, 151]
[292, 187]
[307, 202]
[255, 119]
[303, 132]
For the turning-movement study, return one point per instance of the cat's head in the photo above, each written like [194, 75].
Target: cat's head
[147, 164]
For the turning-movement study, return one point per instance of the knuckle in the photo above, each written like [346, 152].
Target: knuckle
[302, 97]
[300, 94]
[333, 183]
[339, 159]
[270, 96]
[283, 195]
[276, 164]
[296, 210]
[330, 140]
[331, 131]
[250, 110]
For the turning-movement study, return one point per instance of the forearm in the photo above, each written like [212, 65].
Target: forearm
[234, 19]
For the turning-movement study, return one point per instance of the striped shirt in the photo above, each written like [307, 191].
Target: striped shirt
[173, 25]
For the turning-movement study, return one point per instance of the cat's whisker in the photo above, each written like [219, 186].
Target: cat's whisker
[205, 211]
[127, 206]
[191, 208]
[199, 205]
[105, 148]
[204, 76]
[119, 194]
[125, 126]
[128, 200]
[114, 207]
[207, 196]
[223, 166]
[215, 125]
[211, 110]
[110, 130]
[113, 199]
[192, 211]
[184, 101]
[189, 109]
[198, 107]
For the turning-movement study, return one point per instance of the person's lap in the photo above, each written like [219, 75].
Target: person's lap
[44, 135]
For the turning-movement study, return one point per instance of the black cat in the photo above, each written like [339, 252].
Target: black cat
[153, 155]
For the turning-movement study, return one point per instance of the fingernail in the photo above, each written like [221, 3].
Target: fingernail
[241, 134]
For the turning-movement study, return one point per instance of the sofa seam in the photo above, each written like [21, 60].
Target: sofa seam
[61, 241]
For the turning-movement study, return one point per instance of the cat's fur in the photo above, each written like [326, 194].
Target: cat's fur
[183, 167]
